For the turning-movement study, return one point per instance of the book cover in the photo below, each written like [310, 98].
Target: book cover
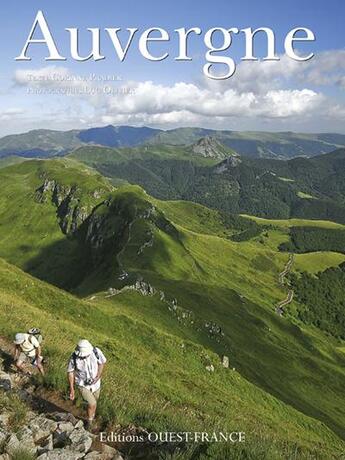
[172, 230]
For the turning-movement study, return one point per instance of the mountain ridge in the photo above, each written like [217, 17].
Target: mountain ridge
[47, 143]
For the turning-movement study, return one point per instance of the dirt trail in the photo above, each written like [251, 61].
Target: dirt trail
[42, 400]
[282, 281]
[286, 270]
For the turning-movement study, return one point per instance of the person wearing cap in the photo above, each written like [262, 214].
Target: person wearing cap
[85, 369]
[28, 349]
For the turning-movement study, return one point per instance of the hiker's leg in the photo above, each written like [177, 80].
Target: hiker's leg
[40, 368]
[37, 362]
[22, 358]
[19, 365]
[91, 401]
[91, 411]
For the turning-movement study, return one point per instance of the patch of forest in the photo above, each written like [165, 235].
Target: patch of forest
[323, 299]
[311, 239]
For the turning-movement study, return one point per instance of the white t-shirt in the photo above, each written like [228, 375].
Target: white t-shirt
[87, 368]
[29, 345]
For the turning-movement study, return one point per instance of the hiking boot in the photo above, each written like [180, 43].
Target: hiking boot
[89, 424]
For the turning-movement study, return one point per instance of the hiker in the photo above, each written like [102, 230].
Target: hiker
[28, 349]
[85, 368]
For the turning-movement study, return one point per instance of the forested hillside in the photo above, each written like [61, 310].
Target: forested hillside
[304, 188]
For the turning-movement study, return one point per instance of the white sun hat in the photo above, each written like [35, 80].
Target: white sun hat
[19, 338]
[84, 348]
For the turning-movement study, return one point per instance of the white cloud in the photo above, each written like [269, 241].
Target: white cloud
[262, 95]
[161, 100]
[9, 114]
[325, 68]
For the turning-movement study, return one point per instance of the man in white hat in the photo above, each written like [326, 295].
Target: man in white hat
[85, 369]
[28, 349]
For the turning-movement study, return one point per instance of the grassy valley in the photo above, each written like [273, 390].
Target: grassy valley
[178, 285]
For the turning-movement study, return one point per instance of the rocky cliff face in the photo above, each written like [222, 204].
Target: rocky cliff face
[107, 229]
[70, 209]
[228, 164]
[210, 147]
[109, 226]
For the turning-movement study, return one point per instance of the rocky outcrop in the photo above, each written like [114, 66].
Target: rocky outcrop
[5, 381]
[144, 288]
[210, 147]
[226, 165]
[182, 314]
[38, 437]
[53, 436]
[140, 286]
[146, 244]
[46, 437]
[108, 230]
[213, 329]
[94, 236]
[69, 208]
[225, 362]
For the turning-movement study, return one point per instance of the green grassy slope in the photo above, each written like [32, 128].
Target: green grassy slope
[208, 276]
[194, 217]
[225, 290]
[29, 219]
[93, 155]
[10, 160]
[287, 223]
[317, 261]
[312, 262]
[166, 388]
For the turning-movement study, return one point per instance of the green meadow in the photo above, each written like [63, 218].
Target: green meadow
[212, 296]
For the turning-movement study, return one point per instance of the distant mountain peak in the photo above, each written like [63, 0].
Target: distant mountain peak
[210, 147]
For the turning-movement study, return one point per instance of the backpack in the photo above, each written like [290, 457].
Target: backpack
[35, 332]
[27, 352]
[75, 356]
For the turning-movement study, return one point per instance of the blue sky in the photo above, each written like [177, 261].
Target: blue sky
[285, 95]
